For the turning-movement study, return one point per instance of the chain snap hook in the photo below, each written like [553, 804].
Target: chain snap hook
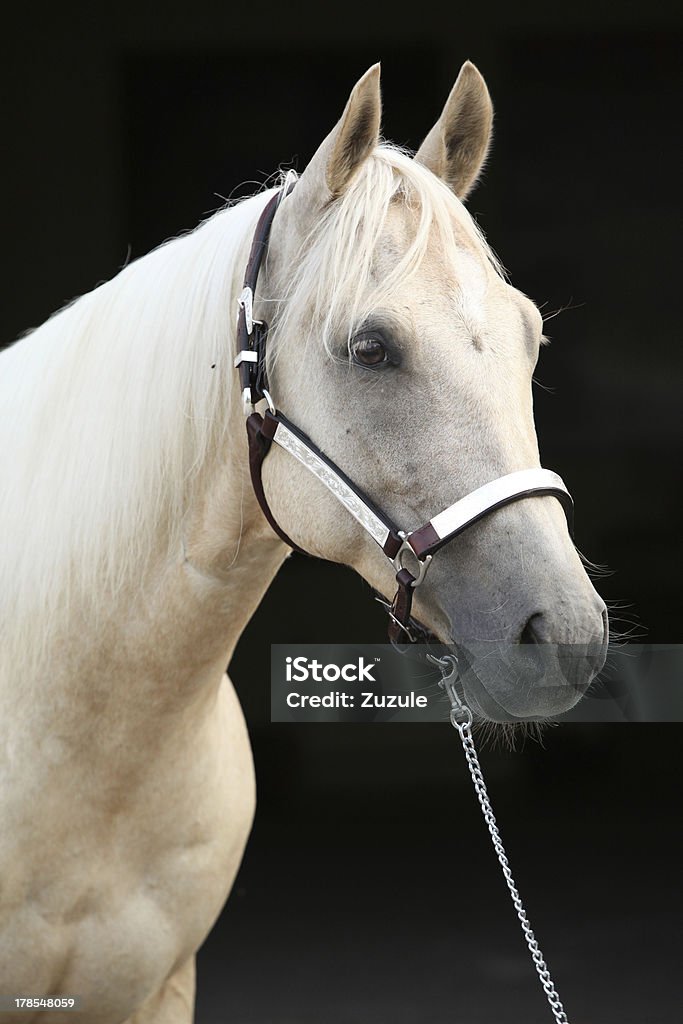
[460, 715]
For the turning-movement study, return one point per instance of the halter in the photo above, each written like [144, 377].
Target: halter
[414, 548]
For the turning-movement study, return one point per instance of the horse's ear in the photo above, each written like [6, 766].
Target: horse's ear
[456, 147]
[344, 150]
[357, 133]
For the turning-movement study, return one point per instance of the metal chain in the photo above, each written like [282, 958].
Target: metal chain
[461, 719]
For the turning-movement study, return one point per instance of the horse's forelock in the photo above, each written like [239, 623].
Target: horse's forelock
[333, 279]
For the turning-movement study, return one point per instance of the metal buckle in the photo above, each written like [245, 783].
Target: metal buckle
[422, 563]
[389, 609]
[250, 406]
[269, 401]
[246, 302]
[460, 714]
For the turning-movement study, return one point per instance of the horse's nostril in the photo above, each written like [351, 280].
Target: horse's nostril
[532, 630]
[538, 629]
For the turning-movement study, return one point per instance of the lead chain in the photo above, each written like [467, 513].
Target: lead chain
[461, 718]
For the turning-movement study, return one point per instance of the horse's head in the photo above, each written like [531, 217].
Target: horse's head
[401, 349]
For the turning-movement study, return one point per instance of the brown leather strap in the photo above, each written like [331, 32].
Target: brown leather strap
[399, 620]
[259, 446]
[253, 374]
[392, 544]
[260, 240]
[424, 541]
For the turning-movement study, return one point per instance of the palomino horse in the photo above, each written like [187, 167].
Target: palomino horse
[134, 551]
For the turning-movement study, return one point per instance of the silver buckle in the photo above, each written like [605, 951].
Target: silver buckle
[422, 563]
[249, 406]
[246, 302]
[402, 625]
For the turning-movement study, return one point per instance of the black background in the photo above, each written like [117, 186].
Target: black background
[368, 892]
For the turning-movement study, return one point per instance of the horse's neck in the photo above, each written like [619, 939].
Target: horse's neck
[164, 643]
[201, 597]
[230, 554]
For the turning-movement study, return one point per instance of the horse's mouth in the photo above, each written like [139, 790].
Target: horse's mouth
[482, 703]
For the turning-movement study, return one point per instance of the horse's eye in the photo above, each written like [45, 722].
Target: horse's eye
[368, 351]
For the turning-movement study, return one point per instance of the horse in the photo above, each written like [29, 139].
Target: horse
[134, 551]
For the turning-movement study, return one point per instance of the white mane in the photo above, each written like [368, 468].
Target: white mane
[108, 410]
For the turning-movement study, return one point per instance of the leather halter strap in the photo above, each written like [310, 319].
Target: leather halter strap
[252, 334]
[273, 427]
[474, 506]
[276, 427]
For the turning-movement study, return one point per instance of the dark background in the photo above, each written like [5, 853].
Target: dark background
[368, 892]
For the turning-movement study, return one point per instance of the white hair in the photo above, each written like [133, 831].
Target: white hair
[106, 414]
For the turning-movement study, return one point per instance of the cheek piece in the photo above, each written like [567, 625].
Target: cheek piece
[409, 552]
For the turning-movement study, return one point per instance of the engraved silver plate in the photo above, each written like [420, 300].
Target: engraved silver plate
[349, 499]
[473, 505]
